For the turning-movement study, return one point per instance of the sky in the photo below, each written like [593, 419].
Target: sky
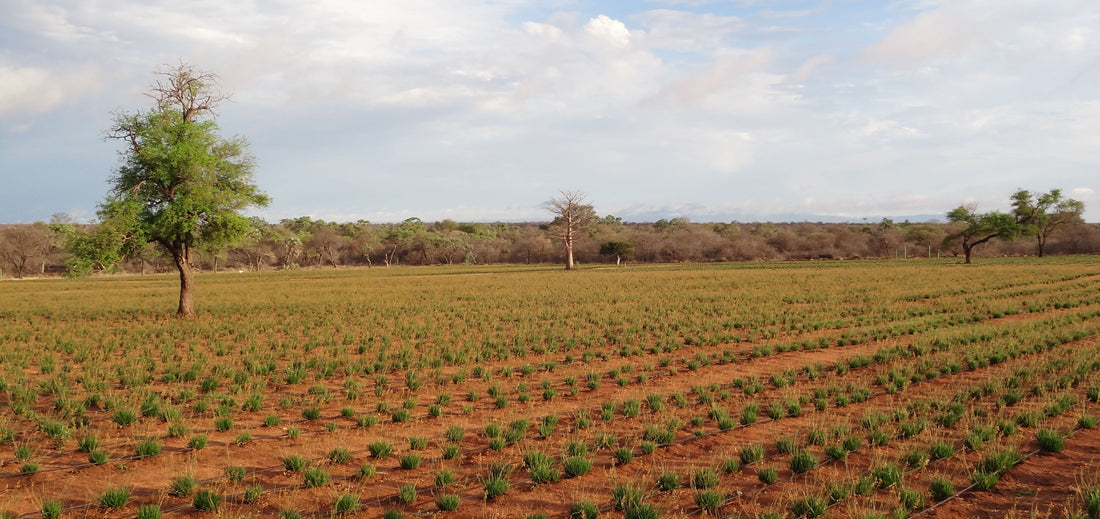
[482, 110]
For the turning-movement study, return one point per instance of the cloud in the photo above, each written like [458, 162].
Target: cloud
[32, 90]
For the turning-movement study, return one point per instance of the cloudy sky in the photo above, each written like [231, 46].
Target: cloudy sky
[483, 109]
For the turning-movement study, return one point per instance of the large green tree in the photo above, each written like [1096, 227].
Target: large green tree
[572, 217]
[180, 184]
[1044, 213]
[977, 228]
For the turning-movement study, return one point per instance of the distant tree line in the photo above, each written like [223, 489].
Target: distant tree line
[41, 248]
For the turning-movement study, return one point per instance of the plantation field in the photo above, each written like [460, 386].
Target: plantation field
[841, 389]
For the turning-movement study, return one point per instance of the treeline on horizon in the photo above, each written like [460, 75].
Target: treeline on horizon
[40, 248]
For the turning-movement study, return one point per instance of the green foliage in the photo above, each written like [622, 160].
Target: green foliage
[942, 488]
[1050, 441]
[704, 478]
[709, 500]
[809, 506]
[584, 510]
[448, 502]
[294, 463]
[183, 486]
[668, 481]
[346, 503]
[206, 500]
[179, 185]
[576, 466]
[52, 509]
[114, 498]
[149, 512]
[316, 477]
[767, 475]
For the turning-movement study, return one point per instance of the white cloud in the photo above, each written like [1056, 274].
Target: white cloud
[32, 90]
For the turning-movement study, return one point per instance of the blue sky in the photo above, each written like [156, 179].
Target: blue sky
[483, 109]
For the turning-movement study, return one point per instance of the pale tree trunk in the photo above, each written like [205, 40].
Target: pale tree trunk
[182, 254]
[568, 254]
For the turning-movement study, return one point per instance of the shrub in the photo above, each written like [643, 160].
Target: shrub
[448, 502]
[251, 494]
[809, 506]
[114, 498]
[704, 478]
[223, 424]
[668, 481]
[624, 455]
[235, 474]
[52, 509]
[455, 433]
[911, 499]
[88, 443]
[942, 488]
[418, 443]
[641, 511]
[311, 413]
[147, 448]
[380, 450]
[98, 457]
[182, 486]
[1050, 441]
[495, 486]
[1086, 422]
[366, 471]
[346, 503]
[124, 416]
[149, 512]
[316, 477]
[576, 466]
[443, 478]
[294, 463]
[584, 510]
[785, 445]
[751, 453]
[709, 500]
[410, 461]
[1092, 502]
[206, 500]
[626, 496]
[339, 455]
[803, 461]
[767, 475]
[886, 476]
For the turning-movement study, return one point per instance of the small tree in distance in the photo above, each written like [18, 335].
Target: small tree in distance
[180, 184]
[1044, 213]
[572, 216]
[979, 228]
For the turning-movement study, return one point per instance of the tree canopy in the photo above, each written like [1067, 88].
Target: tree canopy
[572, 216]
[180, 185]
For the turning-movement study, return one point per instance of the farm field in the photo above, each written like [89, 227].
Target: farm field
[836, 389]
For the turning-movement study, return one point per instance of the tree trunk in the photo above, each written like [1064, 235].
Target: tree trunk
[182, 254]
[967, 249]
[568, 254]
[1042, 242]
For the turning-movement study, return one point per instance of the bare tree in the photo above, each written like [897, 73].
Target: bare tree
[572, 217]
[25, 247]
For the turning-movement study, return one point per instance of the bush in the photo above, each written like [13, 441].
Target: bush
[626, 496]
[147, 449]
[366, 471]
[668, 481]
[407, 494]
[294, 463]
[942, 488]
[345, 504]
[803, 461]
[448, 502]
[624, 455]
[235, 474]
[149, 512]
[752, 453]
[380, 450]
[1050, 441]
[584, 510]
[316, 477]
[709, 500]
[886, 476]
[52, 509]
[810, 506]
[206, 500]
[410, 461]
[1092, 502]
[197, 442]
[339, 455]
[114, 498]
[704, 478]
[576, 466]
[182, 486]
[495, 486]
[767, 475]
[911, 499]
